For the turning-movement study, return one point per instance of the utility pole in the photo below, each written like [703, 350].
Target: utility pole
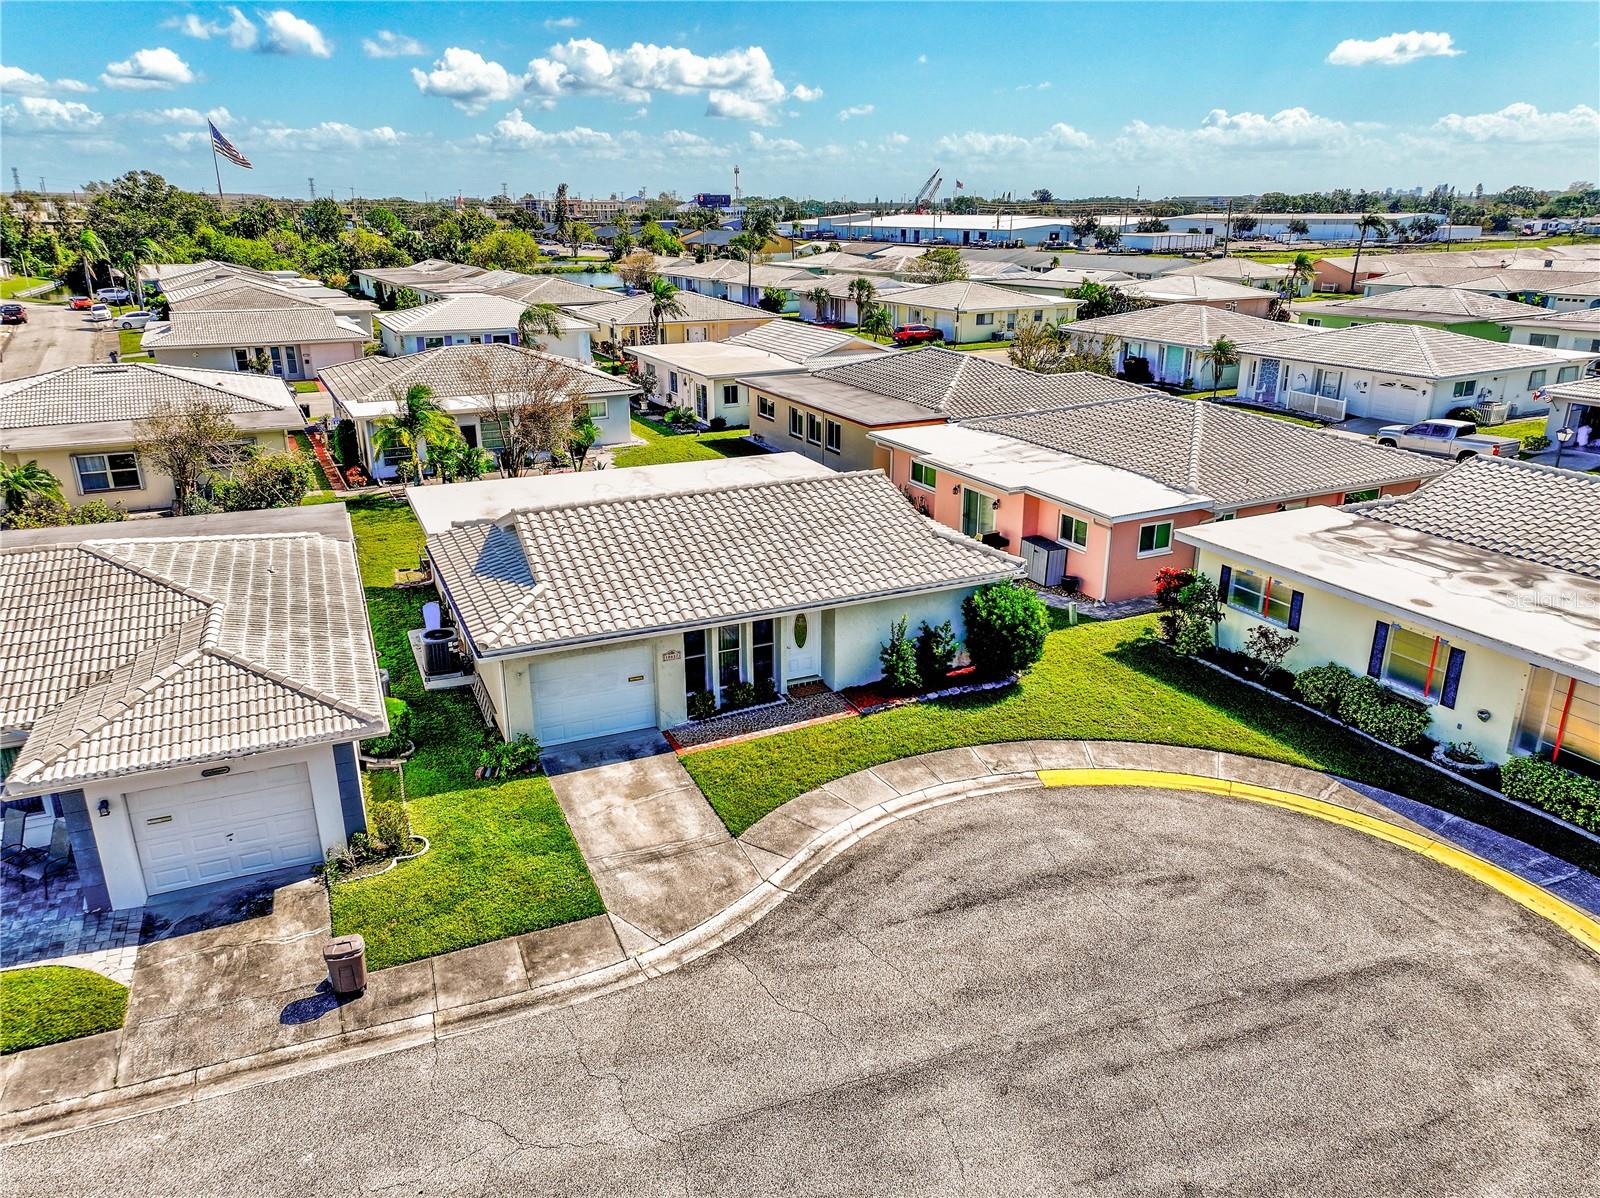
[16, 179]
[1227, 229]
[311, 182]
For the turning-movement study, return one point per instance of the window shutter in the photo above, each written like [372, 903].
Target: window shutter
[1295, 599]
[1452, 677]
[1380, 641]
[1224, 581]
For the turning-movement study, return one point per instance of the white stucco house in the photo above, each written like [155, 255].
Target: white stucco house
[589, 612]
[1577, 329]
[470, 382]
[239, 293]
[1170, 338]
[477, 319]
[188, 696]
[965, 311]
[295, 342]
[1472, 594]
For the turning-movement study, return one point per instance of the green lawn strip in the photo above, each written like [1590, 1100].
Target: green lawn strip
[501, 862]
[301, 444]
[1532, 427]
[306, 387]
[47, 1004]
[683, 447]
[1103, 681]
[10, 287]
[388, 538]
[129, 348]
[1348, 251]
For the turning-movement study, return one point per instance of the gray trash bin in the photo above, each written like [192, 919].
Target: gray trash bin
[346, 958]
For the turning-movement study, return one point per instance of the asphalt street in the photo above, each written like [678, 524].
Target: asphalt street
[1081, 992]
[53, 337]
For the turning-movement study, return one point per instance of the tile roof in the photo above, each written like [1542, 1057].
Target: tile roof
[451, 371]
[606, 568]
[429, 270]
[1574, 318]
[1186, 324]
[553, 289]
[1519, 509]
[635, 310]
[1176, 288]
[233, 295]
[838, 285]
[1232, 270]
[132, 653]
[190, 328]
[800, 342]
[463, 312]
[971, 296]
[1235, 457]
[1408, 349]
[1437, 303]
[1559, 282]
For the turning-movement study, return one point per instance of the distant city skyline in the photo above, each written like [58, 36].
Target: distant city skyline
[415, 99]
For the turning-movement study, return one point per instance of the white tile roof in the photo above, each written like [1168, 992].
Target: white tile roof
[1186, 324]
[1576, 318]
[801, 342]
[1438, 304]
[1408, 349]
[464, 313]
[635, 310]
[971, 296]
[553, 289]
[126, 653]
[608, 568]
[200, 329]
[1173, 288]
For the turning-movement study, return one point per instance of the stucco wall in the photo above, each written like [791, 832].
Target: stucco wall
[856, 450]
[907, 311]
[312, 358]
[852, 636]
[154, 496]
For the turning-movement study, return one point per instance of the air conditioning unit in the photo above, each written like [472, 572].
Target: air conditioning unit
[1045, 560]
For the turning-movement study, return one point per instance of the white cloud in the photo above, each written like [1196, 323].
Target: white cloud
[180, 116]
[897, 139]
[148, 70]
[1059, 137]
[1392, 50]
[562, 23]
[736, 107]
[17, 82]
[43, 114]
[289, 34]
[388, 44]
[1034, 87]
[1524, 123]
[774, 145]
[856, 110]
[329, 135]
[468, 80]
[237, 31]
[805, 94]
[1290, 127]
[515, 132]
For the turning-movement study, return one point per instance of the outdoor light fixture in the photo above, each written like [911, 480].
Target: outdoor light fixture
[956, 490]
[1484, 714]
[995, 505]
[1563, 439]
[105, 807]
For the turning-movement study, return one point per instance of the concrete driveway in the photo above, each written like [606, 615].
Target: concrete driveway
[1094, 991]
[54, 337]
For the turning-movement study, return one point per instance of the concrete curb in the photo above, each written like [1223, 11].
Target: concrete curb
[787, 848]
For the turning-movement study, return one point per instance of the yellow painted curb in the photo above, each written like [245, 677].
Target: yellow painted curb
[1564, 915]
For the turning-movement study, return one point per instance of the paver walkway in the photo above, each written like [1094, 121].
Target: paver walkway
[662, 859]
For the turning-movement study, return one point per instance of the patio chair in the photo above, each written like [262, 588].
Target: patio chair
[53, 861]
[12, 850]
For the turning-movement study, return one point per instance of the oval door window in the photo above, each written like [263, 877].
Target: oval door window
[800, 631]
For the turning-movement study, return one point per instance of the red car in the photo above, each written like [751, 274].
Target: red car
[80, 303]
[916, 334]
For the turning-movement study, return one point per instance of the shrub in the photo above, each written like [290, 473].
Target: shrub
[1006, 627]
[718, 424]
[388, 829]
[1467, 412]
[1267, 647]
[267, 481]
[1536, 444]
[519, 755]
[1553, 788]
[936, 652]
[343, 445]
[1323, 686]
[46, 511]
[899, 658]
[680, 418]
[702, 705]
[399, 738]
[738, 695]
[1380, 712]
[766, 690]
[97, 511]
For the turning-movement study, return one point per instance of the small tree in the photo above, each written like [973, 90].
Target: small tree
[582, 438]
[776, 299]
[637, 269]
[664, 304]
[820, 299]
[268, 480]
[1370, 222]
[942, 264]
[188, 443]
[1267, 647]
[1299, 228]
[1219, 355]
[862, 292]
[936, 652]
[418, 420]
[876, 321]
[899, 658]
[539, 320]
[1006, 627]
[531, 401]
[24, 481]
[1085, 226]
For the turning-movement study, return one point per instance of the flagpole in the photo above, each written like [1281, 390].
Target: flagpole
[216, 166]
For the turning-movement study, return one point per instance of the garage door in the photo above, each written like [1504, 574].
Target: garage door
[241, 823]
[1394, 400]
[596, 693]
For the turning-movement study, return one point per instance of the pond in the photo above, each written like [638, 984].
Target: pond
[593, 278]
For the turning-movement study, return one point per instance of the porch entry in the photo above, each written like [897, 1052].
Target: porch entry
[1175, 370]
[716, 659]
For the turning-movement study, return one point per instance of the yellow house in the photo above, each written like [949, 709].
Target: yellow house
[720, 239]
[628, 321]
[966, 311]
[81, 423]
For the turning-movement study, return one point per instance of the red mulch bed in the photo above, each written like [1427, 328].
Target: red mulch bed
[874, 694]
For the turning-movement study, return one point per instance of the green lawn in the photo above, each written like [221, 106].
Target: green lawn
[1097, 681]
[388, 538]
[1532, 427]
[662, 447]
[306, 387]
[50, 1003]
[128, 345]
[1228, 393]
[319, 492]
[1508, 243]
[9, 287]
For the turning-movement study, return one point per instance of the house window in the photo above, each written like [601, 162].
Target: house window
[730, 393]
[694, 662]
[672, 381]
[1038, 315]
[1221, 516]
[1261, 596]
[763, 652]
[277, 361]
[433, 343]
[1464, 388]
[292, 358]
[728, 657]
[500, 339]
[1415, 661]
[490, 435]
[1536, 379]
[1155, 538]
[813, 428]
[1366, 496]
[1544, 340]
[977, 513]
[1074, 532]
[1326, 383]
[835, 437]
[983, 318]
[241, 359]
[1314, 322]
[107, 472]
[924, 475]
[700, 395]
[1566, 374]
[766, 408]
[597, 409]
[797, 423]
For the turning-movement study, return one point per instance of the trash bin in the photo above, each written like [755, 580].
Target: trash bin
[346, 958]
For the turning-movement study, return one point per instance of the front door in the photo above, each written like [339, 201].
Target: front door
[1174, 372]
[802, 650]
[977, 513]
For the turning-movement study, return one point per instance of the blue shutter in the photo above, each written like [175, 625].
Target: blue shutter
[1224, 581]
[1296, 598]
[1380, 641]
[1452, 677]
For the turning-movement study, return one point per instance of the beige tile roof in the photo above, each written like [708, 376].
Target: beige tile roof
[799, 342]
[192, 329]
[128, 653]
[1177, 288]
[465, 313]
[553, 289]
[231, 295]
[972, 296]
[613, 567]
[1439, 304]
[635, 310]
[1574, 318]
[1408, 349]
[1186, 324]
[451, 371]
[1232, 456]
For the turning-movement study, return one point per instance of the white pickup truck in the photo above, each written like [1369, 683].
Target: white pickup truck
[1448, 439]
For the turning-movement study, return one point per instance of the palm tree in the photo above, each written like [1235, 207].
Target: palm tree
[1219, 355]
[759, 226]
[875, 321]
[820, 299]
[664, 302]
[1370, 222]
[862, 293]
[1299, 228]
[25, 481]
[93, 250]
[144, 252]
[419, 420]
[582, 438]
[538, 320]
[1301, 271]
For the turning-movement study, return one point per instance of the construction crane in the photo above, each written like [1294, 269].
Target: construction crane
[929, 192]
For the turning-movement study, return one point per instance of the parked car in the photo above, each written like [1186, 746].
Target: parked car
[13, 314]
[80, 303]
[1448, 439]
[916, 334]
[99, 312]
[133, 320]
[113, 295]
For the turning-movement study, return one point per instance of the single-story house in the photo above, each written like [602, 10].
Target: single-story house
[829, 414]
[739, 282]
[1168, 339]
[232, 293]
[1562, 290]
[1399, 372]
[382, 282]
[588, 615]
[472, 383]
[1470, 595]
[1340, 274]
[554, 289]
[188, 696]
[966, 311]
[1470, 313]
[1577, 329]
[1174, 288]
[1061, 280]
[705, 376]
[81, 423]
[476, 320]
[1111, 482]
[721, 239]
[295, 342]
[840, 306]
[1246, 272]
[627, 321]
[1575, 406]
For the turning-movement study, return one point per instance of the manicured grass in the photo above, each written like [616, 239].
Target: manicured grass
[1228, 393]
[10, 287]
[51, 1003]
[1534, 426]
[306, 387]
[128, 345]
[662, 447]
[388, 538]
[301, 444]
[1100, 681]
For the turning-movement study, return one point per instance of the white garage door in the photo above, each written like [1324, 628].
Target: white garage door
[596, 693]
[241, 823]
[1395, 400]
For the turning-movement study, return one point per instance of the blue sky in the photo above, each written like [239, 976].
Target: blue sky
[824, 100]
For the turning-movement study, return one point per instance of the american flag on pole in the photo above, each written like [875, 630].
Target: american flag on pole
[960, 185]
[226, 148]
